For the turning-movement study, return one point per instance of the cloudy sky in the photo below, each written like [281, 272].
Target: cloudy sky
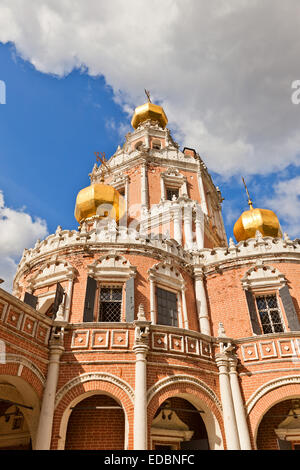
[74, 71]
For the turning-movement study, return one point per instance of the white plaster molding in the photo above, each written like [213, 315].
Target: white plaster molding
[176, 379]
[94, 376]
[261, 277]
[52, 272]
[268, 387]
[111, 267]
[23, 361]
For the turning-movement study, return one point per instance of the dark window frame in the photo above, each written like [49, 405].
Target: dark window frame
[267, 313]
[165, 297]
[107, 306]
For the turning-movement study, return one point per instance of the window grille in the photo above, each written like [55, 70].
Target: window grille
[269, 313]
[167, 312]
[171, 192]
[110, 304]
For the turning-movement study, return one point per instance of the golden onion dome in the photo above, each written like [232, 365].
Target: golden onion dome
[263, 220]
[150, 111]
[99, 199]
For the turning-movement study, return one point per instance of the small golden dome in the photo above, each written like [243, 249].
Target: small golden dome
[263, 220]
[149, 111]
[99, 199]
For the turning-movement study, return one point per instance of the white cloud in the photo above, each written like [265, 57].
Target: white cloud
[285, 202]
[223, 69]
[17, 231]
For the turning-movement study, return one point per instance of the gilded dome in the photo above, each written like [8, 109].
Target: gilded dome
[99, 199]
[149, 111]
[263, 220]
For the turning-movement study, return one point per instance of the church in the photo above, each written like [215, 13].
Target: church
[145, 329]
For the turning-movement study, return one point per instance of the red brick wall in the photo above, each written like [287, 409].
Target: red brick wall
[266, 437]
[96, 429]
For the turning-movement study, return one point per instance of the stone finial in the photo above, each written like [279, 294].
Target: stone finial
[141, 313]
[59, 229]
[221, 331]
[231, 243]
[286, 237]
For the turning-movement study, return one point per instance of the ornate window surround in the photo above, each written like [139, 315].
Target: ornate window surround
[262, 279]
[167, 277]
[172, 178]
[50, 274]
[111, 270]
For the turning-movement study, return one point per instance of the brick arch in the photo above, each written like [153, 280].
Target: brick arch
[278, 390]
[18, 366]
[199, 397]
[83, 390]
[25, 388]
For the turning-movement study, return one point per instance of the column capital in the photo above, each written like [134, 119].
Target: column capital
[221, 360]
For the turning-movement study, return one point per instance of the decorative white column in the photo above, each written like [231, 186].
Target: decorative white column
[184, 188]
[68, 299]
[152, 301]
[144, 185]
[140, 397]
[162, 189]
[184, 309]
[201, 302]
[202, 193]
[239, 406]
[177, 225]
[188, 231]
[199, 222]
[44, 433]
[231, 432]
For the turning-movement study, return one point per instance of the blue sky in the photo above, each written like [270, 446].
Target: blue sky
[73, 76]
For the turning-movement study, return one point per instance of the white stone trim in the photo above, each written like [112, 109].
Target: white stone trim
[268, 387]
[111, 267]
[52, 272]
[176, 379]
[23, 361]
[94, 376]
[262, 278]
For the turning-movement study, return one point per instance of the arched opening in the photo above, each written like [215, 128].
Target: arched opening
[14, 431]
[19, 411]
[177, 425]
[96, 423]
[279, 428]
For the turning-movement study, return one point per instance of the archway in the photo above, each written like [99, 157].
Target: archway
[96, 423]
[279, 428]
[177, 425]
[19, 413]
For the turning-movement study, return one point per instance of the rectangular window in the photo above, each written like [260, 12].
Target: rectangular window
[171, 192]
[269, 313]
[110, 304]
[167, 312]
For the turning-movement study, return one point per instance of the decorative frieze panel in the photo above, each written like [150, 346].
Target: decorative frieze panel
[14, 318]
[271, 349]
[267, 349]
[249, 352]
[286, 347]
[160, 341]
[181, 344]
[29, 325]
[176, 343]
[80, 339]
[119, 338]
[100, 339]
